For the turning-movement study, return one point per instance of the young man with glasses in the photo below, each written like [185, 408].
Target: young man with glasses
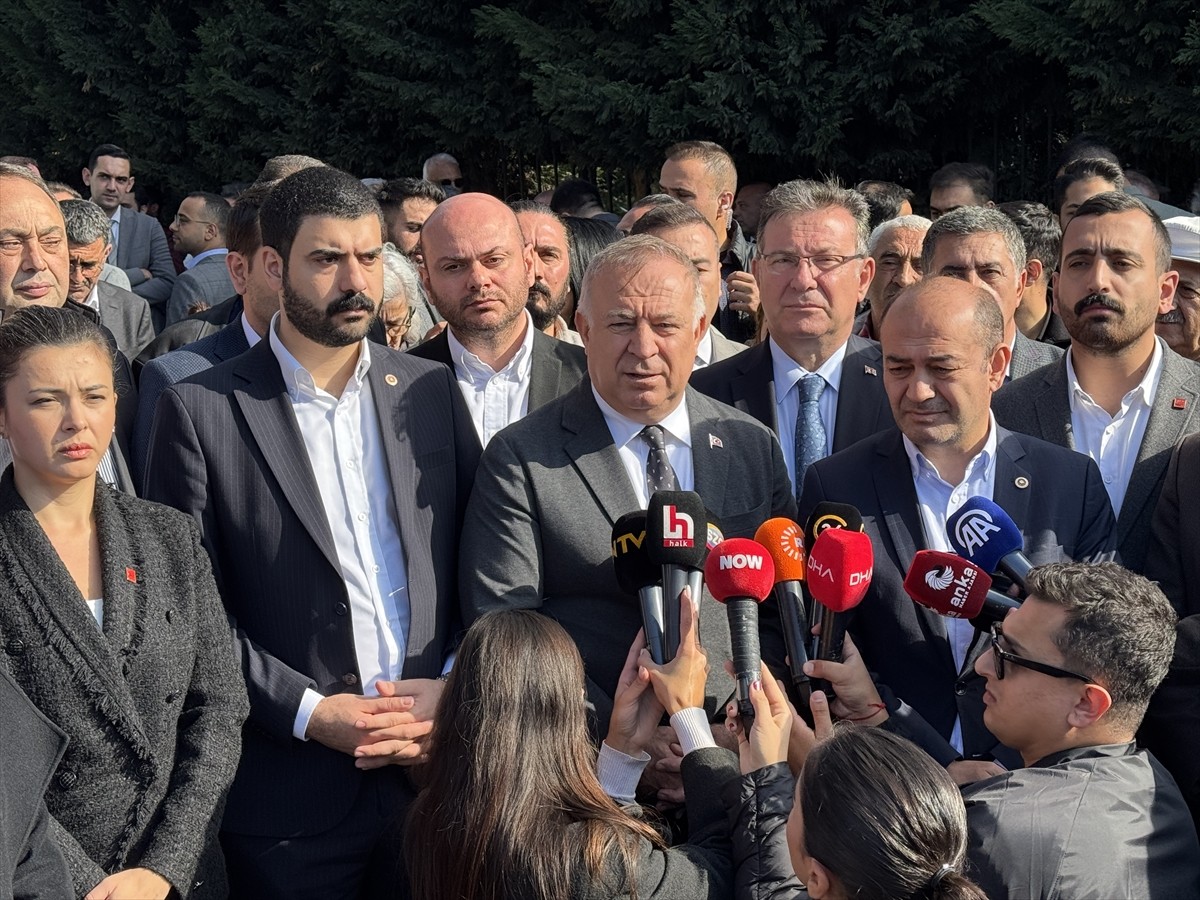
[200, 228]
[1068, 680]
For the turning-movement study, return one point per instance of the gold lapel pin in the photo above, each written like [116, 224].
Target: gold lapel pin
[390, 379]
[1021, 482]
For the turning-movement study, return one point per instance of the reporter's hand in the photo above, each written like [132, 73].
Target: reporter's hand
[856, 696]
[679, 684]
[636, 711]
[401, 736]
[966, 771]
[131, 884]
[803, 738]
[767, 742]
[663, 774]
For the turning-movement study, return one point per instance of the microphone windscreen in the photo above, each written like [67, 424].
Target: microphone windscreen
[947, 584]
[672, 520]
[631, 563]
[840, 566]
[739, 567]
[785, 542]
[715, 535]
[983, 533]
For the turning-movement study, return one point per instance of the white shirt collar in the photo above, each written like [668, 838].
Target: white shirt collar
[469, 366]
[676, 423]
[252, 336]
[983, 460]
[704, 350]
[1146, 387]
[788, 371]
[297, 379]
[192, 261]
[93, 298]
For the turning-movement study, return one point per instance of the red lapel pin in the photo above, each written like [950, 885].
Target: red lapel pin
[1179, 403]
[131, 575]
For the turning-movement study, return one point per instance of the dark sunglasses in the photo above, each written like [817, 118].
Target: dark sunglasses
[1003, 656]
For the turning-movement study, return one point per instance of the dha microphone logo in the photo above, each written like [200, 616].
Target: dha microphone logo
[972, 530]
[940, 580]
[678, 528]
[741, 561]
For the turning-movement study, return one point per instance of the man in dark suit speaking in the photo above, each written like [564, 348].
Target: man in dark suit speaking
[551, 486]
[328, 475]
[944, 355]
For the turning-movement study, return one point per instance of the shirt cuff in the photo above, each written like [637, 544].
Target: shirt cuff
[620, 773]
[449, 664]
[692, 728]
[308, 703]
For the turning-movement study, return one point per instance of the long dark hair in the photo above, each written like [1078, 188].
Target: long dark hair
[33, 327]
[513, 809]
[884, 818]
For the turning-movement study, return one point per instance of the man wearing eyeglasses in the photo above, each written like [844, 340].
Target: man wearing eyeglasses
[200, 227]
[138, 241]
[812, 382]
[1068, 681]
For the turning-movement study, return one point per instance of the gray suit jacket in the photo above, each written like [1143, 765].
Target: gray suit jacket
[226, 448]
[127, 316]
[207, 281]
[1029, 356]
[539, 527]
[1039, 405]
[142, 244]
[153, 704]
[747, 382]
[112, 275]
[1056, 498]
[723, 348]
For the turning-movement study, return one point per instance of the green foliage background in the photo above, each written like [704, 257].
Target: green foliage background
[201, 92]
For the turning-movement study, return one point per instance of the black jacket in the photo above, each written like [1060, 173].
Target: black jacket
[759, 805]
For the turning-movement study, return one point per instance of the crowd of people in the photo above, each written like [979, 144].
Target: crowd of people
[307, 582]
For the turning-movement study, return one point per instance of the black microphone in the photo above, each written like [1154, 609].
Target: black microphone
[784, 541]
[740, 574]
[637, 575]
[676, 530]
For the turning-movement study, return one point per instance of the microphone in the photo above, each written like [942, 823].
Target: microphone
[955, 588]
[840, 566]
[636, 574]
[985, 534]
[740, 573]
[825, 515]
[784, 541]
[672, 542]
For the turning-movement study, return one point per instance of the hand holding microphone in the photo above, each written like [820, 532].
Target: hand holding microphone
[740, 574]
[984, 534]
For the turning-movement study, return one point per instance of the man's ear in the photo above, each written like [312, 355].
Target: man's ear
[87, 177]
[1033, 271]
[238, 267]
[1092, 704]
[272, 264]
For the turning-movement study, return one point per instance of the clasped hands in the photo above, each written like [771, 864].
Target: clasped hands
[391, 729]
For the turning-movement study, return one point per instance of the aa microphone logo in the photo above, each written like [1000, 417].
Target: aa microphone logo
[678, 528]
[972, 530]
[939, 580]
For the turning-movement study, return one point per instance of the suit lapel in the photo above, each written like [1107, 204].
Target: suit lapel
[545, 368]
[231, 341]
[1014, 482]
[710, 459]
[1052, 408]
[1170, 415]
[594, 455]
[264, 401]
[858, 393]
[754, 385]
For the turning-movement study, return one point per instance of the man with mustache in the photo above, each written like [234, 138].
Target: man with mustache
[328, 475]
[1120, 395]
[944, 354]
[550, 293]
[478, 269]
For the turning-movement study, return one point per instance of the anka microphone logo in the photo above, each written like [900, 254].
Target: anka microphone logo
[972, 530]
[678, 528]
[939, 580]
[741, 561]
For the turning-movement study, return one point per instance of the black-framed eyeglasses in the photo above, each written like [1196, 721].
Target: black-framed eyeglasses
[1003, 656]
[451, 182]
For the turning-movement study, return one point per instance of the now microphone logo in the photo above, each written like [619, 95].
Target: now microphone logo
[972, 530]
[678, 528]
[740, 561]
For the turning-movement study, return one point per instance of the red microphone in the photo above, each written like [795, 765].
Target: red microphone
[952, 587]
[840, 565]
[739, 573]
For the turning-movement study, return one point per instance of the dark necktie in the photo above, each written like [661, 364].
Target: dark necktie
[810, 432]
[659, 474]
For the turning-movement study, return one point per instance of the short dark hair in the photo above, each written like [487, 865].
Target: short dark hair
[1082, 170]
[573, 195]
[716, 159]
[668, 216]
[278, 168]
[1039, 230]
[978, 177]
[86, 222]
[106, 150]
[396, 191]
[1119, 629]
[216, 208]
[967, 220]
[1119, 202]
[33, 327]
[243, 235]
[586, 237]
[146, 194]
[884, 199]
[1084, 146]
[316, 191]
[653, 200]
[530, 206]
[61, 187]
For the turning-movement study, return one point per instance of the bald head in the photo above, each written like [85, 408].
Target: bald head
[955, 298]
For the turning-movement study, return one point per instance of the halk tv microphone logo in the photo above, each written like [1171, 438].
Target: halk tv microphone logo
[678, 528]
[972, 530]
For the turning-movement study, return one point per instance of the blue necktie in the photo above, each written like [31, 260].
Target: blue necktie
[810, 432]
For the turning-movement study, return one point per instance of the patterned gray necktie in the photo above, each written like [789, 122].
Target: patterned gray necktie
[659, 474]
[810, 431]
